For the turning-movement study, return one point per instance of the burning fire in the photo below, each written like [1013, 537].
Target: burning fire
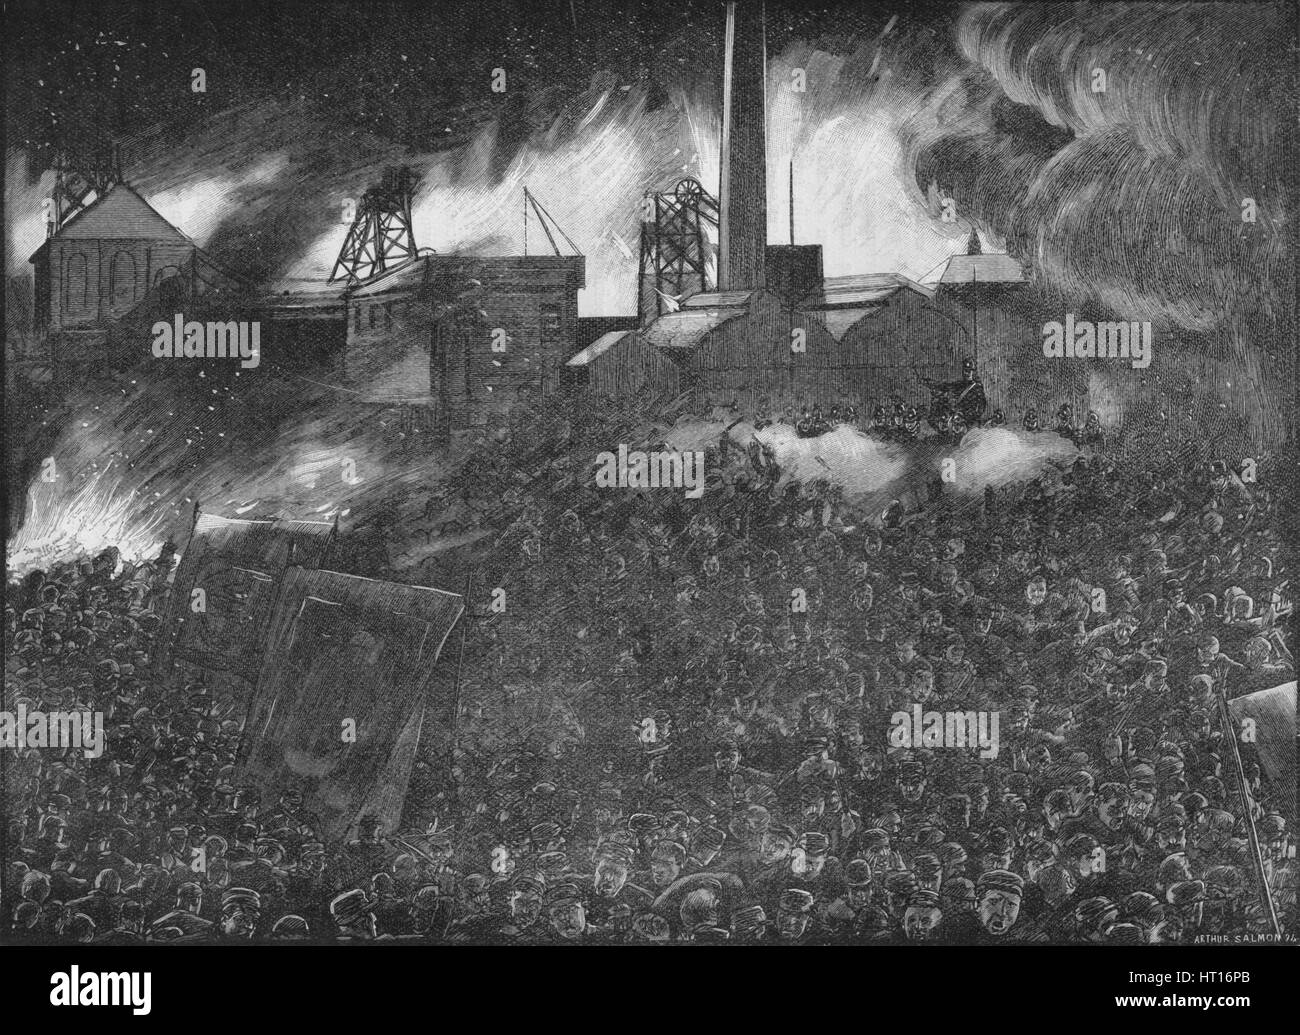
[100, 513]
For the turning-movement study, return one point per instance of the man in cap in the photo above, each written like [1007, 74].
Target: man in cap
[960, 906]
[566, 913]
[727, 776]
[527, 896]
[922, 916]
[839, 915]
[610, 885]
[353, 916]
[1093, 918]
[999, 893]
[749, 925]
[189, 904]
[899, 886]
[241, 910]
[1187, 899]
[794, 917]
[699, 914]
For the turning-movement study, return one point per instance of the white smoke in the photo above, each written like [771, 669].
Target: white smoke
[998, 456]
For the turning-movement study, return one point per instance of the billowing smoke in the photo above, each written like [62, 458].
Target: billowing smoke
[1117, 147]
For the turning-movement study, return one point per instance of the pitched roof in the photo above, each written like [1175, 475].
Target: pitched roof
[986, 268]
[121, 214]
[684, 329]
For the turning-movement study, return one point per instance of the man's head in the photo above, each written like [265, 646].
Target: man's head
[1084, 855]
[1039, 857]
[999, 893]
[700, 907]
[858, 883]
[899, 888]
[189, 897]
[1188, 900]
[241, 908]
[526, 896]
[812, 800]
[565, 910]
[650, 928]
[810, 859]
[726, 757]
[1112, 804]
[794, 911]
[911, 781]
[1080, 790]
[996, 848]
[666, 861]
[922, 915]
[957, 895]
[778, 843]
[613, 864]
[1171, 833]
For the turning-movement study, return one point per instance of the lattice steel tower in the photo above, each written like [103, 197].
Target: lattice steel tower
[380, 236]
[674, 249]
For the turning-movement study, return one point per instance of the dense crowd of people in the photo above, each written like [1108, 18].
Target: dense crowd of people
[684, 727]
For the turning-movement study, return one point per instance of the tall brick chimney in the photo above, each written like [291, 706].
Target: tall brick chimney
[743, 218]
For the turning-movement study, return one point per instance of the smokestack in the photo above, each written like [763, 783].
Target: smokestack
[743, 218]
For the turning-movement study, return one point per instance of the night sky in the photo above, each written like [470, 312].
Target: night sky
[415, 72]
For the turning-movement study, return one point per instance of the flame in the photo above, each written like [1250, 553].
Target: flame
[99, 513]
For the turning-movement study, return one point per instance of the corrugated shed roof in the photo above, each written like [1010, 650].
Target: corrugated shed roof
[718, 300]
[992, 268]
[859, 290]
[684, 329]
[121, 214]
[598, 348]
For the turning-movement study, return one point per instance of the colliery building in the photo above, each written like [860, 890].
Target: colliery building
[108, 258]
[466, 336]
